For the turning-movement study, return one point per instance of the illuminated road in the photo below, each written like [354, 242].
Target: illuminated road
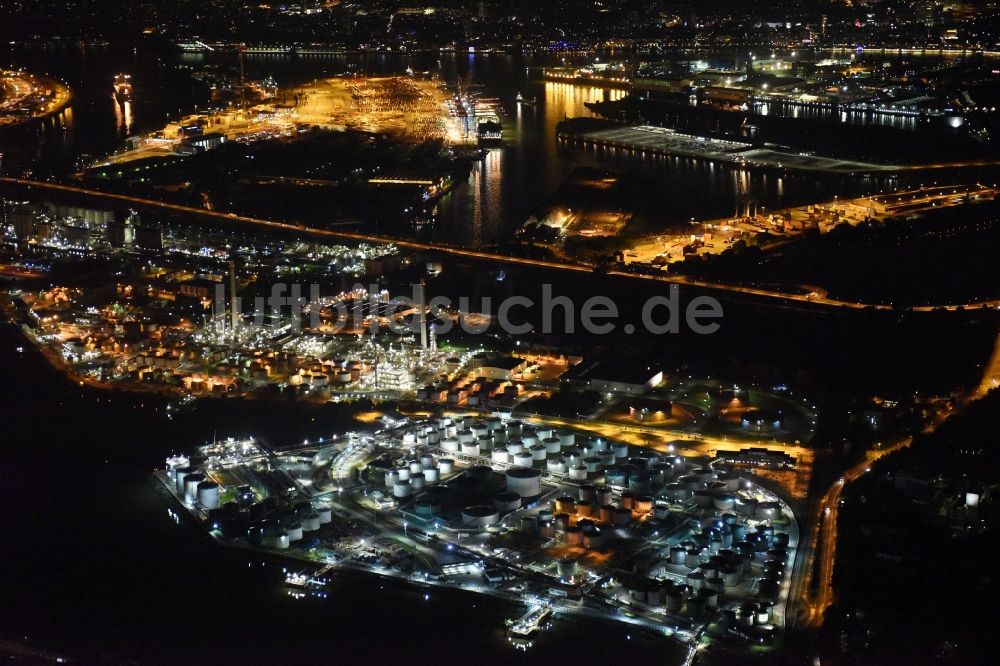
[826, 516]
[783, 298]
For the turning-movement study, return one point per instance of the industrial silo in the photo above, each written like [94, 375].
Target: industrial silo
[480, 516]
[551, 445]
[208, 494]
[565, 504]
[524, 481]
[507, 501]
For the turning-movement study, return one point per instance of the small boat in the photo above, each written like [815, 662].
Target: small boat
[521, 100]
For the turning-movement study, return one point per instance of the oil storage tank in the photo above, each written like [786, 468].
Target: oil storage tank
[524, 481]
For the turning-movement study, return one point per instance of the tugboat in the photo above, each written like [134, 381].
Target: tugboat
[521, 100]
[123, 88]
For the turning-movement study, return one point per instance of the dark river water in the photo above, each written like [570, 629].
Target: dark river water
[501, 191]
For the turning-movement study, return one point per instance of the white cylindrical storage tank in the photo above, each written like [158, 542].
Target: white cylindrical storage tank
[529, 439]
[416, 467]
[208, 494]
[430, 475]
[578, 472]
[500, 436]
[391, 477]
[466, 436]
[543, 432]
[325, 514]
[402, 489]
[417, 481]
[494, 423]
[294, 532]
[409, 438]
[446, 466]
[433, 437]
[426, 460]
[678, 555]
[703, 498]
[485, 442]
[191, 482]
[524, 459]
[449, 444]
[524, 481]
[507, 501]
[480, 516]
[310, 523]
[620, 450]
[538, 452]
[600, 445]
[551, 445]
[500, 456]
[724, 502]
[768, 510]
[179, 477]
[403, 473]
[593, 464]
[470, 449]
[282, 542]
[556, 465]
[567, 438]
[515, 446]
[514, 427]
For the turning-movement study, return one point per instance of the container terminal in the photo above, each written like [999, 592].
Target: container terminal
[559, 519]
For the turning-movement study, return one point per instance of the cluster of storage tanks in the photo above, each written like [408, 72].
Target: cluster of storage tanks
[191, 484]
[262, 523]
[405, 478]
[695, 602]
[471, 394]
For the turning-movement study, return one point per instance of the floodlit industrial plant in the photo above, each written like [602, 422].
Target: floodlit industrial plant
[576, 331]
